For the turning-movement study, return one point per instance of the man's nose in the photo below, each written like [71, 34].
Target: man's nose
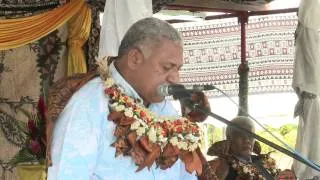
[174, 77]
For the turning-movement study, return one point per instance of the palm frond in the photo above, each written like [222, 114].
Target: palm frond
[12, 129]
[23, 156]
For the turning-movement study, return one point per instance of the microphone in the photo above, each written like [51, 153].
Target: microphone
[176, 89]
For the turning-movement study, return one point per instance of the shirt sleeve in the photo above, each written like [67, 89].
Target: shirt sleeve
[76, 137]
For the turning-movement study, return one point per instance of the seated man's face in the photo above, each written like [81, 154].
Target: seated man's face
[160, 67]
[241, 144]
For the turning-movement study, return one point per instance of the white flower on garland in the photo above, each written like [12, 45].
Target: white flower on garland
[274, 171]
[121, 89]
[174, 141]
[182, 145]
[120, 108]
[245, 170]
[234, 166]
[162, 139]
[135, 125]
[260, 177]
[109, 82]
[130, 100]
[193, 146]
[152, 135]
[192, 138]
[180, 136]
[114, 105]
[179, 132]
[141, 131]
[128, 112]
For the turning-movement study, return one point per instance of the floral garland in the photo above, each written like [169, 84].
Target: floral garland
[249, 171]
[148, 138]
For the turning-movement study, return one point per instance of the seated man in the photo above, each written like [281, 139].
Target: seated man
[235, 156]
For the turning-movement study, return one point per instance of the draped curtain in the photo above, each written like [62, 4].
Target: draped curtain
[117, 18]
[22, 31]
[79, 30]
[18, 32]
[306, 82]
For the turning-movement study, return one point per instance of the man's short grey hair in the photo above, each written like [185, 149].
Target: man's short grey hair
[242, 121]
[146, 33]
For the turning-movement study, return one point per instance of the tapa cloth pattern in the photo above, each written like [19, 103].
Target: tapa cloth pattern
[212, 53]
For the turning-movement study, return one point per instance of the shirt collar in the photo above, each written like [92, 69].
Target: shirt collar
[122, 83]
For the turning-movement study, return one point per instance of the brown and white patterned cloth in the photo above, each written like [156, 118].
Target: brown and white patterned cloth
[212, 53]
[25, 73]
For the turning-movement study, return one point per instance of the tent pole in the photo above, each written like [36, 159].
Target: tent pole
[243, 67]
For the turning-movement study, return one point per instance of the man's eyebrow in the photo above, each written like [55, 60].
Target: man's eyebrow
[176, 65]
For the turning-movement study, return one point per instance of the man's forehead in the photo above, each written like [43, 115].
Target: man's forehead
[240, 132]
[172, 53]
[168, 42]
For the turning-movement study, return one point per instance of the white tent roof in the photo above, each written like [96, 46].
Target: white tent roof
[258, 5]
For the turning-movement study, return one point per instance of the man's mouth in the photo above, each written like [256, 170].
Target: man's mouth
[247, 147]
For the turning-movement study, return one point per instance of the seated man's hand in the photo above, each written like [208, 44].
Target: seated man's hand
[286, 174]
[196, 116]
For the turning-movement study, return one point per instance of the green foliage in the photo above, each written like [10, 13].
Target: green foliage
[214, 134]
[23, 156]
[288, 128]
[287, 133]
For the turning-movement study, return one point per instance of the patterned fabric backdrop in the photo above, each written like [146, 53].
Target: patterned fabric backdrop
[92, 45]
[212, 53]
[24, 73]
[22, 8]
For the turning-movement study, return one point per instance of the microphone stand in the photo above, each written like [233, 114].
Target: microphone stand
[193, 106]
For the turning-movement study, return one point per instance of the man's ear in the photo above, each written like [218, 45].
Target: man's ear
[135, 58]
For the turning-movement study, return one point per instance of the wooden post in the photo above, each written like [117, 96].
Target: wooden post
[243, 68]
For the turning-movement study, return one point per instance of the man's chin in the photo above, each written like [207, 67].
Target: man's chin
[159, 99]
[246, 154]
[155, 100]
